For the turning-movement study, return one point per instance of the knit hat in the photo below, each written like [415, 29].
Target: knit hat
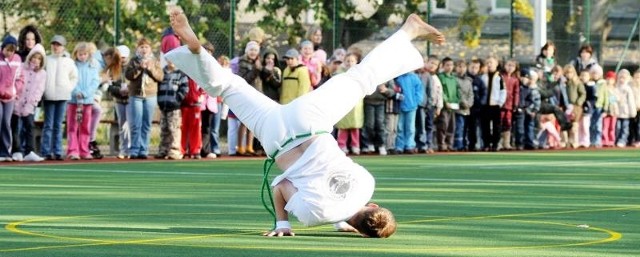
[124, 51]
[9, 40]
[169, 42]
[611, 75]
[252, 45]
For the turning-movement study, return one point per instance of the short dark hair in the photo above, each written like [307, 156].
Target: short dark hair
[586, 48]
[446, 59]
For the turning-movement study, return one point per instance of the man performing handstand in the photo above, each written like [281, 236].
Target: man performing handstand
[320, 184]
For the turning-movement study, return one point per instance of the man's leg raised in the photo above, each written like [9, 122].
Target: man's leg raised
[322, 108]
[250, 106]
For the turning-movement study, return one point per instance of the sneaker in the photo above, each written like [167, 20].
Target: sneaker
[5, 159]
[369, 149]
[620, 145]
[212, 156]
[74, 157]
[382, 150]
[17, 156]
[344, 150]
[88, 157]
[355, 150]
[196, 156]
[636, 145]
[58, 158]
[33, 157]
[174, 157]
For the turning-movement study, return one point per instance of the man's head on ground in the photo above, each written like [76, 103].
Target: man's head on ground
[374, 221]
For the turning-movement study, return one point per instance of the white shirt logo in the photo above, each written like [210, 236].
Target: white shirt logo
[340, 184]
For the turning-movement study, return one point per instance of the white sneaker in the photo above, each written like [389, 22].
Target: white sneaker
[17, 156]
[33, 157]
[212, 156]
[344, 150]
[382, 150]
[4, 159]
[355, 150]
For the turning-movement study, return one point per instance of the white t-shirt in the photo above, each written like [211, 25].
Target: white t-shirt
[331, 187]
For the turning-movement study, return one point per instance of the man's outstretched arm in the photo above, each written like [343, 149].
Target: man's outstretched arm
[281, 193]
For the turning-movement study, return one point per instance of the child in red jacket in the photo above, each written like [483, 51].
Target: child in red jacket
[192, 121]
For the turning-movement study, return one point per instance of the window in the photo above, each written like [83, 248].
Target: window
[440, 6]
[500, 6]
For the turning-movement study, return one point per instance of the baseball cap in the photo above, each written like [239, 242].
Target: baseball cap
[291, 53]
[59, 39]
[124, 51]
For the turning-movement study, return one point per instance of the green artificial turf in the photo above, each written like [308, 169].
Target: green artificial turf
[562, 203]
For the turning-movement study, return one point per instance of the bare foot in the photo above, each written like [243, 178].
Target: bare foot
[181, 27]
[417, 28]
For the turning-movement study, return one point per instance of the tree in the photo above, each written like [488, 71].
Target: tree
[349, 28]
[79, 21]
[470, 24]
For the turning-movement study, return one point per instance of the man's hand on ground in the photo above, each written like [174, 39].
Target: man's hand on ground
[279, 232]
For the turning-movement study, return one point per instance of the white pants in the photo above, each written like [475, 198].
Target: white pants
[316, 111]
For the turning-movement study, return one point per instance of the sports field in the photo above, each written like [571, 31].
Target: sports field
[560, 203]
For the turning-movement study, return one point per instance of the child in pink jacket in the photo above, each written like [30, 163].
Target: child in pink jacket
[10, 84]
[35, 78]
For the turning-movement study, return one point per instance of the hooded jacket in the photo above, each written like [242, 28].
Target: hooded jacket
[11, 79]
[88, 82]
[34, 83]
[62, 77]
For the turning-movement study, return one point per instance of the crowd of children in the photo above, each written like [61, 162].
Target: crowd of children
[448, 105]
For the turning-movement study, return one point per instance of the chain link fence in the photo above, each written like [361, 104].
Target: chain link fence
[360, 23]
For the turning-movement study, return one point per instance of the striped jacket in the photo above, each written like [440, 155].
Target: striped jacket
[172, 90]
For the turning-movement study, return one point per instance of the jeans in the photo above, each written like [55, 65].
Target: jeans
[405, 140]
[424, 128]
[232, 135]
[622, 132]
[595, 129]
[525, 130]
[6, 110]
[52, 128]
[215, 130]
[123, 129]
[374, 132]
[140, 114]
[459, 138]
[25, 138]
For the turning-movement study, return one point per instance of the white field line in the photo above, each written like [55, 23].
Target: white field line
[394, 178]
